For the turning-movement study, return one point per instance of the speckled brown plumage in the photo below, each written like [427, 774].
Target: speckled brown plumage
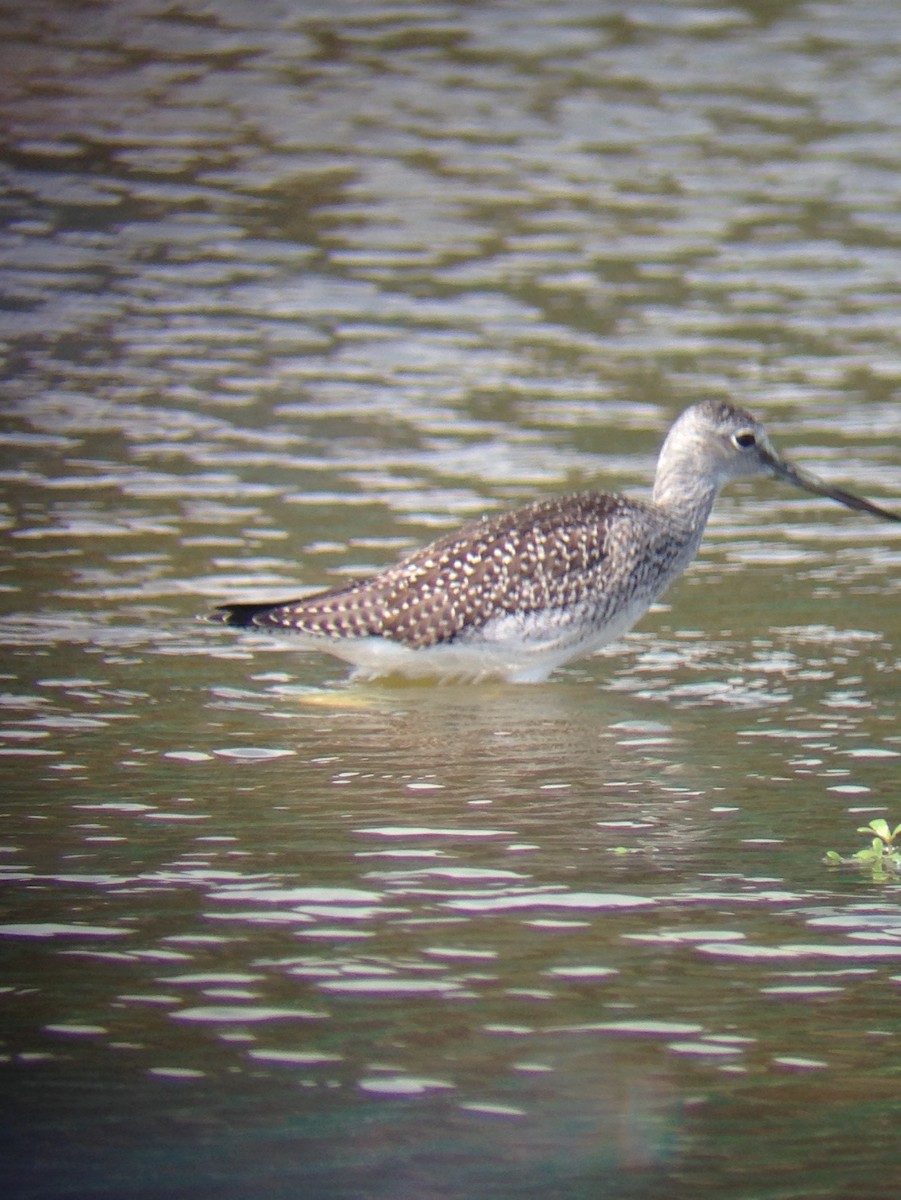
[545, 556]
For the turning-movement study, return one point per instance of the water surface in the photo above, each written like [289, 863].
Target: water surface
[290, 288]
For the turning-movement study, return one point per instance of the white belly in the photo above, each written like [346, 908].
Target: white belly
[518, 649]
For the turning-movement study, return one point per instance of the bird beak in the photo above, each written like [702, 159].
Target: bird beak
[810, 483]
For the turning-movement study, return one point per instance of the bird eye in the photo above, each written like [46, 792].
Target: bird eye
[744, 439]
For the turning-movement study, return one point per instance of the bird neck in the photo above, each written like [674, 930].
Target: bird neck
[684, 493]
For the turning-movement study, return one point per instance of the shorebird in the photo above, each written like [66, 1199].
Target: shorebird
[516, 595]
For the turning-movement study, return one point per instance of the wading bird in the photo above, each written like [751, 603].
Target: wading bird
[516, 595]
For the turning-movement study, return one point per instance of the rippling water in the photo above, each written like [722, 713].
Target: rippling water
[289, 288]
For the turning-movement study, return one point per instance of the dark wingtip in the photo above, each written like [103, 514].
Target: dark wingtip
[241, 616]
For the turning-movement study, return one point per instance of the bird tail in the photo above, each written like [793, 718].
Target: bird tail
[242, 616]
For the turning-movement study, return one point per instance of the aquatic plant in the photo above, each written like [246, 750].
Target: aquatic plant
[882, 858]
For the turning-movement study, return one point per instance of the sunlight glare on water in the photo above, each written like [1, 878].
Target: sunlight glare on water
[290, 289]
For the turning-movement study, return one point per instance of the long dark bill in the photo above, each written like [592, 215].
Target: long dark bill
[810, 483]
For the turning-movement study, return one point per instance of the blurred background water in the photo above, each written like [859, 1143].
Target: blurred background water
[289, 288]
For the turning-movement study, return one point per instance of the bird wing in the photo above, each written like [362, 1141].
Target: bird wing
[541, 556]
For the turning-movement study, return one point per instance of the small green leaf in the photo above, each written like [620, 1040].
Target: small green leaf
[878, 827]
